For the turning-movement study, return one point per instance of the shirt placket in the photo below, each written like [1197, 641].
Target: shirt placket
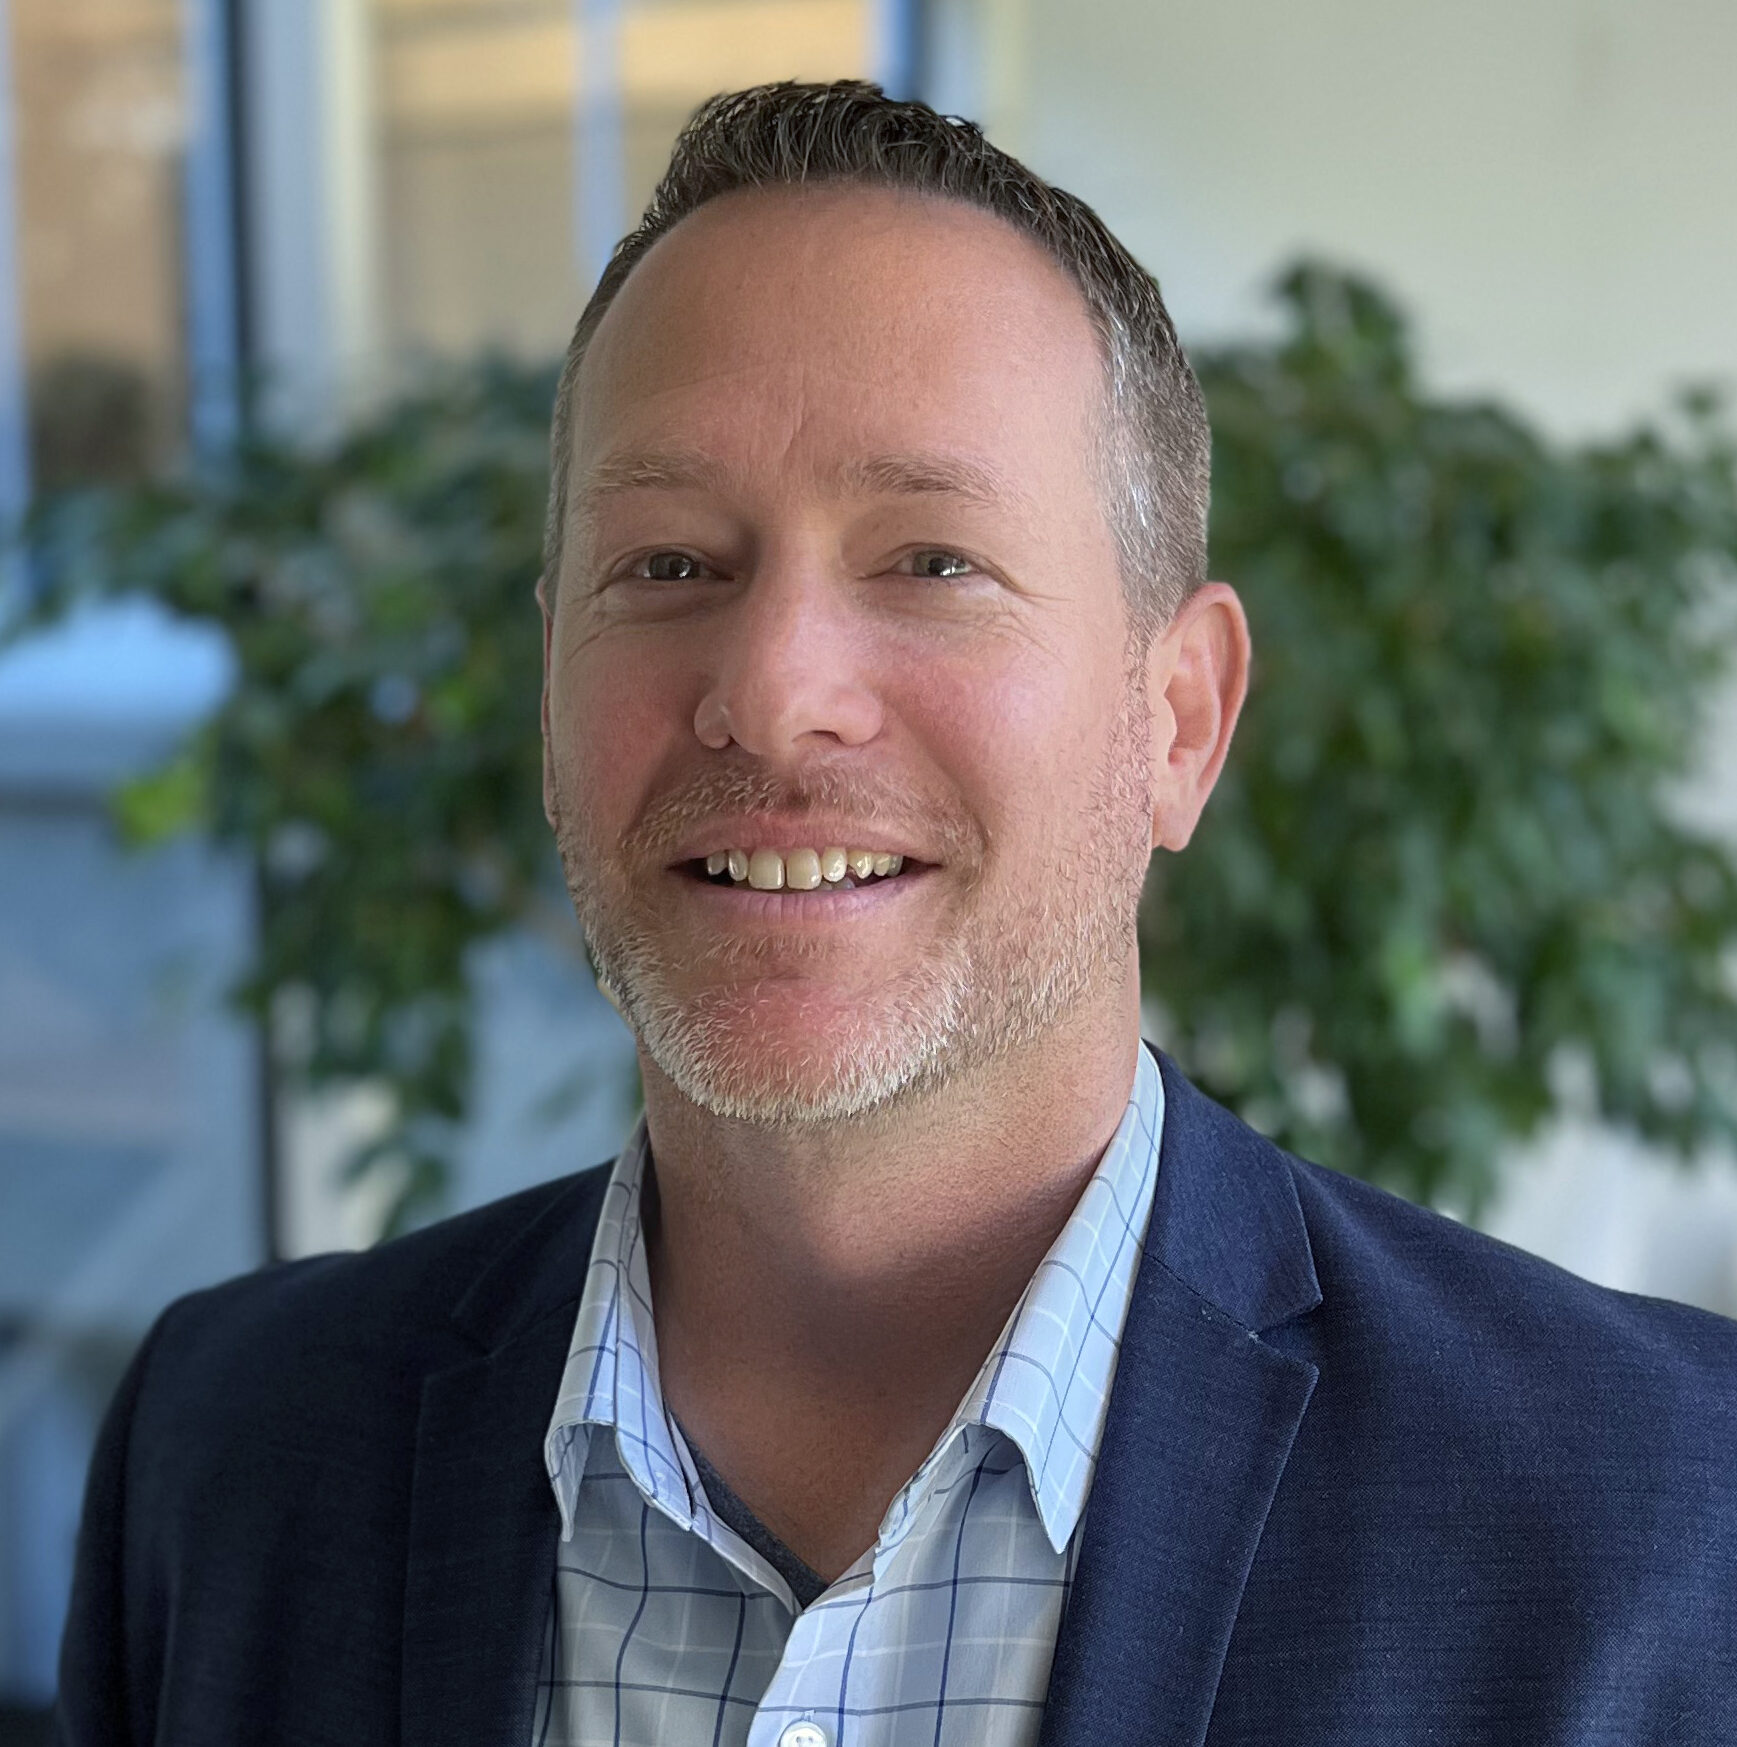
[826, 1692]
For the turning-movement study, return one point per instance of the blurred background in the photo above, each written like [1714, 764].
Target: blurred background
[281, 283]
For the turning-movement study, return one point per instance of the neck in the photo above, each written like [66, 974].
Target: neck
[824, 1297]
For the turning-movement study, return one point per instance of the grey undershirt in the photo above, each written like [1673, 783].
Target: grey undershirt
[806, 1584]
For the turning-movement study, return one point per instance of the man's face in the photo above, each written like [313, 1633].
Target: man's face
[838, 576]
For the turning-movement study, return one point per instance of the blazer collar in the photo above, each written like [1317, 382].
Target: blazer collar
[540, 1270]
[1201, 1422]
[1226, 1220]
[483, 1526]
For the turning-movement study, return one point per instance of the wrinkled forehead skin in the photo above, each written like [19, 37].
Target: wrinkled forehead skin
[789, 333]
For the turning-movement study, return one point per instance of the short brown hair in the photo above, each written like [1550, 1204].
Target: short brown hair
[1157, 448]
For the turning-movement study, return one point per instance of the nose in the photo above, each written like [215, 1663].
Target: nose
[790, 670]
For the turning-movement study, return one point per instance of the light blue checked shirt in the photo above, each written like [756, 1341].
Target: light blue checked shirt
[668, 1628]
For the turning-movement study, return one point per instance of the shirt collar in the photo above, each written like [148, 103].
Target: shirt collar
[1045, 1384]
[611, 1375]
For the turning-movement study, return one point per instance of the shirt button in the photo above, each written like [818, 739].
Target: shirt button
[804, 1735]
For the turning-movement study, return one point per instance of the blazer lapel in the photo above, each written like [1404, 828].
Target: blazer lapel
[483, 1525]
[1201, 1421]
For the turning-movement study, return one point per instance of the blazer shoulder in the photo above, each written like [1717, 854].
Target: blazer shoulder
[1538, 1466]
[1397, 1276]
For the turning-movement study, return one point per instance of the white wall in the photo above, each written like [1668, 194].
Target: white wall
[1551, 185]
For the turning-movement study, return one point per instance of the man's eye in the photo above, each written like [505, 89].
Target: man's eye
[670, 567]
[940, 564]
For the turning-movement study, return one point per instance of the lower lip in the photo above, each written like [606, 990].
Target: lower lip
[822, 905]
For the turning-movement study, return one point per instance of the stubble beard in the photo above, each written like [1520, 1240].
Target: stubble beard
[996, 985]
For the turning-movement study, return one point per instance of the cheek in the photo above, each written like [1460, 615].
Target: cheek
[1015, 736]
[612, 718]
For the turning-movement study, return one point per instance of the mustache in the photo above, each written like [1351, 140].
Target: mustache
[745, 790]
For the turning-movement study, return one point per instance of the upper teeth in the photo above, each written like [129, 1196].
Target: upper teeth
[771, 870]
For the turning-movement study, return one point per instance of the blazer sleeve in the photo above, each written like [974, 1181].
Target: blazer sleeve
[104, 1698]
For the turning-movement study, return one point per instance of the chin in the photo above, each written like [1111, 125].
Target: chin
[773, 1063]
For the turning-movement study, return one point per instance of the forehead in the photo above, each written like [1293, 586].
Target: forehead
[796, 322]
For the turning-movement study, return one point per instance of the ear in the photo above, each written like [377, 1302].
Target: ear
[1196, 677]
[547, 611]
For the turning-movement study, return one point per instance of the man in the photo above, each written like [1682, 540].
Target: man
[935, 1364]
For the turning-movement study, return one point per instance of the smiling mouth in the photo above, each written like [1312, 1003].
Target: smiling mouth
[800, 870]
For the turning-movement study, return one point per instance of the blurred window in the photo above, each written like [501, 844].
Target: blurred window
[512, 131]
[675, 55]
[476, 184]
[99, 125]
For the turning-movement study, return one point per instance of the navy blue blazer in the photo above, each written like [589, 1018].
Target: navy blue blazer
[1368, 1479]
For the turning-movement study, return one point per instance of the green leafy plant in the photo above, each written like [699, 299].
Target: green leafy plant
[379, 755]
[1442, 863]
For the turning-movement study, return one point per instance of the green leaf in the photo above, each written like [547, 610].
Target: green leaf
[175, 798]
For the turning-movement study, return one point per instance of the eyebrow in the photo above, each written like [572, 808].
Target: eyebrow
[652, 470]
[930, 475]
[916, 474]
